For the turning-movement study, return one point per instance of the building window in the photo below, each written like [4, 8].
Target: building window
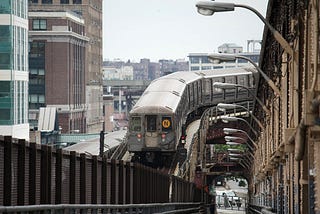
[194, 60]
[5, 7]
[205, 59]
[46, 1]
[195, 68]
[39, 24]
[64, 1]
[34, 1]
[6, 102]
[77, 1]
[205, 67]
[5, 44]
[37, 49]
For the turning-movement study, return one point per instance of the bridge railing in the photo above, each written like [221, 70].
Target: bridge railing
[252, 208]
[106, 208]
[32, 174]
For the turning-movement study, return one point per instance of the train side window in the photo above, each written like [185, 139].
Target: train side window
[231, 79]
[151, 123]
[135, 124]
[166, 124]
[242, 80]
[217, 80]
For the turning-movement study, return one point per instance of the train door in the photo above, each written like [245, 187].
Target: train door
[230, 94]
[217, 93]
[151, 134]
[243, 80]
[207, 91]
[195, 93]
[200, 92]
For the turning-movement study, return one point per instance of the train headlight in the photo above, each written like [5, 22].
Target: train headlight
[163, 137]
[139, 136]
[183, 139]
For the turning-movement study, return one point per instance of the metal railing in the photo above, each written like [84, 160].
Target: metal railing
[106, 208]
[260, 209]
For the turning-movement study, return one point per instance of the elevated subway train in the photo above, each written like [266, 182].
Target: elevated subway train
[158, 120]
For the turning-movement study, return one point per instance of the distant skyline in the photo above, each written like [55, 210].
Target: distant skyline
[171, 29]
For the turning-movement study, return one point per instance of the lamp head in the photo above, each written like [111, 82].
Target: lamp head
[208, 8]
[233, 143]
[235, 155]
[218, 58]
[231, 131]
[228, 119]
[234, 158]
[226, 106]
[234, 150]
[233, 138]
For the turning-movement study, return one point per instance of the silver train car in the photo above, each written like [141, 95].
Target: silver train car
[158, 120]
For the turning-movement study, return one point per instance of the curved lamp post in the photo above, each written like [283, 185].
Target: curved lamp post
[234, 119]
[232, 131]
[232, 143]
[240, 152]
[208, 8]
[234, 138]
[223, 85]
[229, 57]
[239, 157]
[234, 106]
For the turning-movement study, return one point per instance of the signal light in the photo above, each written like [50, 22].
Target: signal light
[183, 139]
[139, 136]
[163, 136]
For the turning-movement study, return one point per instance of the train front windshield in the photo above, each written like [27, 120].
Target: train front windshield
[151, 123]
[135, 124]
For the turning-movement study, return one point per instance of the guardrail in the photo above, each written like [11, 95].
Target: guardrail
[106, 208]
[32, 174]
[252, 208]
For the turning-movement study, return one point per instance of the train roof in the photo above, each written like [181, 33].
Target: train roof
[170, 85]
[158, 102]
[183, 76]
[163, 94]
[227, 72]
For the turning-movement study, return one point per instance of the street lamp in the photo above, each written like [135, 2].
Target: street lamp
[233, 138]
[234, 152]
[230, 142]
[234, 119]
[208, 8]
[232, 131]
[229, 57]
[233, 156]
[234, 106]
[223, 85]
[243, 162]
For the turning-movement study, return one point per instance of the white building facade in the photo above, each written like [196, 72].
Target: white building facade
[14, 69]
[114, 73]
[200, 61]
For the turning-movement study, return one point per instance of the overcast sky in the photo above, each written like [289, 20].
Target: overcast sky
[171, 29]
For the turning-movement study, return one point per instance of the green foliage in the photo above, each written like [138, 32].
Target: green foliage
[224, 147]
[242, 183]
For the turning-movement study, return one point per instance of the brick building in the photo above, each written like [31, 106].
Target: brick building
[86, 104]
[57, 67]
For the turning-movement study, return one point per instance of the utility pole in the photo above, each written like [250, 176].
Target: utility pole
[101, 143]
